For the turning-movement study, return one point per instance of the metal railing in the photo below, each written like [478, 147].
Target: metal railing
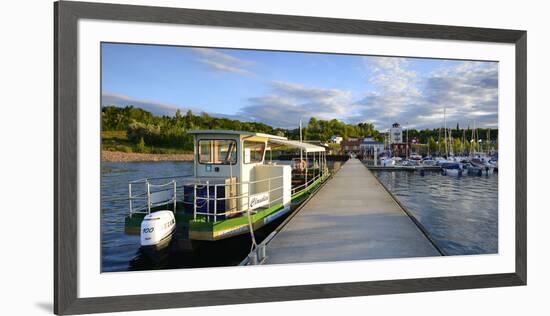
[238, 199]
[144, 194]
[244, 195]
[309, 181]
[149, 195]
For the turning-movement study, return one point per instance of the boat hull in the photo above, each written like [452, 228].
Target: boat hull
[452, 172]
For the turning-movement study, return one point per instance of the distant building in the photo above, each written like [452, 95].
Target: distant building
[400, 150]
[336, 139]
[396, 134]
[351, 145]
[369, 145]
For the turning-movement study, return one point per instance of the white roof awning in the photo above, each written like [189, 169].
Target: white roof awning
[308, 148]
[230, 132]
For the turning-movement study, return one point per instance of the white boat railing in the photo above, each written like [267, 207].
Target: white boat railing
[144, 194]
[241, 207]
[238, 199]
[149, 195]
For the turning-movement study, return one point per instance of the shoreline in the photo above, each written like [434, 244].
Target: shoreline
[119, 156]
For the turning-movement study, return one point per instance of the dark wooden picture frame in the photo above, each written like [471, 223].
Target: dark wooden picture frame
[66, 17]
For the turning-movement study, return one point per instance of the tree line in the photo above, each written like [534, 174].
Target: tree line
[146, 129]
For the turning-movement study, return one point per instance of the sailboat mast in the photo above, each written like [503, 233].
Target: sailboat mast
[445, 126]
[472, 140]
[463, 141]
[301, 155]
[488, 139]
[475, 138]
[439, 142]
[407, 146]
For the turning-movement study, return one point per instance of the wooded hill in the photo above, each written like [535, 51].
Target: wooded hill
[133, 129]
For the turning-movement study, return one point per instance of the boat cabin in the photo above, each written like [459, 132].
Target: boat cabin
[235, 166]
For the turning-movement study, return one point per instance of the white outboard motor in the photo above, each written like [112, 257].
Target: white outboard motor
[157, 229]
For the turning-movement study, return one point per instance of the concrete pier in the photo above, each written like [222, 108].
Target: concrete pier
[351, 218]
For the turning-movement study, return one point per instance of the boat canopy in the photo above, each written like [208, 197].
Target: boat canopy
[229, 132]
[308, 148]
[271, 139]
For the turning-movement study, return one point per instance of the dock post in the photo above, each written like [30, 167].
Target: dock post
[148, 197]
[175, 195]
[261, 252]
[207, 201]
[130, 197]
[195, 201]
[215, 202]
[305, 184]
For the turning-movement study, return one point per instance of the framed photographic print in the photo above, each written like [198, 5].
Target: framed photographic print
[230, 157]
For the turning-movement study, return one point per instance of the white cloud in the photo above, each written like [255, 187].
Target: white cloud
[468, 91]
[222, 62]
[287, 103]
[121, 100]
[155, 107]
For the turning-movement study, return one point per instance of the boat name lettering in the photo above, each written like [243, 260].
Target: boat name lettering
[258, 200]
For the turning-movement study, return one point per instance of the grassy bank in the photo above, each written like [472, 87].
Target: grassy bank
[118, 156]
[115, 146]
[118, 141]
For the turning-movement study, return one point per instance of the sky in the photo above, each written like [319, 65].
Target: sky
[282, 88]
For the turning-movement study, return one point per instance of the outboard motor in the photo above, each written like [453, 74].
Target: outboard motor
[157, 229]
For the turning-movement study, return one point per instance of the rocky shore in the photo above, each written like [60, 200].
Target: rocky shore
[118, 156]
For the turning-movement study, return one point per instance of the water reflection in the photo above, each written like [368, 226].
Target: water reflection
[460, 213]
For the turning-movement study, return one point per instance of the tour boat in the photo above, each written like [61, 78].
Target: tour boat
[233, 189]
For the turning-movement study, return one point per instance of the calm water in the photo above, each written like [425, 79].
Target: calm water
[460, 213]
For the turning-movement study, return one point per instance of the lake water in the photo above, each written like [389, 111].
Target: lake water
[460, 213]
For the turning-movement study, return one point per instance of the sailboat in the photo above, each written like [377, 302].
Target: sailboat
[479, 159]
[448, 167]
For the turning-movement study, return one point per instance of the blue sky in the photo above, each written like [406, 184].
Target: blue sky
[280, 88]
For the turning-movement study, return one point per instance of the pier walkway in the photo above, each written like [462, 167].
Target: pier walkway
[351, 218]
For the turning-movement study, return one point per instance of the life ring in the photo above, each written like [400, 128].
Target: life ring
[300, 164]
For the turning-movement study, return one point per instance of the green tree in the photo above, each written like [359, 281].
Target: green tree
[432, 145]
[141, 145]
[442, 148]
[457, 146]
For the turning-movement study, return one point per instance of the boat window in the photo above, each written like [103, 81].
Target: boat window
[217, 151]
[253, 152]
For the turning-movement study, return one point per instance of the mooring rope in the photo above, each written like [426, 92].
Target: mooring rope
[251, 229]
